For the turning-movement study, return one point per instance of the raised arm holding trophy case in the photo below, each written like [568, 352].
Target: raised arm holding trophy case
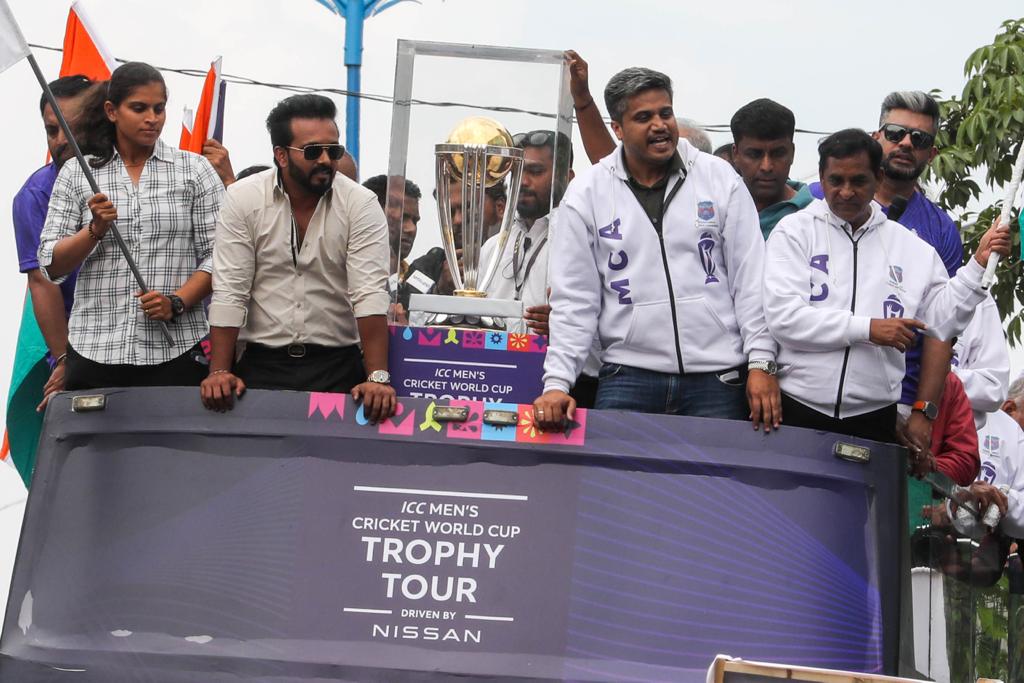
[479, 153]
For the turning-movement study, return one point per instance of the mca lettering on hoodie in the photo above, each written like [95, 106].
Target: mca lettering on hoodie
[617, 261]
[687, 298]
[822, 287]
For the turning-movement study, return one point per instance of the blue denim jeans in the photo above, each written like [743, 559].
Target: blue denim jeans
[706, 394]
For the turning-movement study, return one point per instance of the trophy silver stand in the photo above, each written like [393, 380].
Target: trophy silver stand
[478, 154]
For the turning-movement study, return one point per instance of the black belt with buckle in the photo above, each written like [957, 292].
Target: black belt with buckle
[296, 350]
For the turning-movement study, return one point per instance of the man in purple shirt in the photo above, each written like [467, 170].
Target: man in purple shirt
[907, 126]
[51, 303]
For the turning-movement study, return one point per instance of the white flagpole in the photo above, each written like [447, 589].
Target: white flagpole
[989, 278]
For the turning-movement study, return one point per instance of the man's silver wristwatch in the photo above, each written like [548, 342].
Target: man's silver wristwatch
[379, 377]
[769, 367]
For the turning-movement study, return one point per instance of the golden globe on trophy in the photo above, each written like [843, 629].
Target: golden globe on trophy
[478, 154]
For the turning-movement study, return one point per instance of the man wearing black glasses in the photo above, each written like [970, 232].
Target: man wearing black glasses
[908, 123]
[907, 126]
[523, 266]
[300, 272]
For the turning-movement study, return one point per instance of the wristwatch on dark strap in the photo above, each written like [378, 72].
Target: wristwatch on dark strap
[177, 305]
[929, 409]
[379, 377]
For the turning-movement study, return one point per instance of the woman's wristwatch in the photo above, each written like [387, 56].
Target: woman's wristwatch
[177, 305]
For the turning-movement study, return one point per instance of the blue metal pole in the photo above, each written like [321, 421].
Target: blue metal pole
[352, 114]
[355, 16]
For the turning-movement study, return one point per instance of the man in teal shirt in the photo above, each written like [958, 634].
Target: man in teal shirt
[762, 153]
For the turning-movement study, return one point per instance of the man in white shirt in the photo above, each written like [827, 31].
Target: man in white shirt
[982, 361]
[844, 291]
[522, 273]
[1001, 445]
[659, 251]
[300, 273]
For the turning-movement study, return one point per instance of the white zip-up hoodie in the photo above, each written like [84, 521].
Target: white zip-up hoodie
[692, 304]
[982, 361]
[1001, 446]
[824, 284]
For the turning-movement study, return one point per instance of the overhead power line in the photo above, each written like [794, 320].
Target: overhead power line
[383, 99]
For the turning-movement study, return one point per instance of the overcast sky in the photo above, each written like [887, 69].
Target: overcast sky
[830, 62]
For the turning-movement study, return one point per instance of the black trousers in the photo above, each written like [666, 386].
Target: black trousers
[187, 370]
[878, 425]
[320, 368]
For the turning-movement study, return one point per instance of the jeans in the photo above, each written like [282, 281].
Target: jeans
[706, 394]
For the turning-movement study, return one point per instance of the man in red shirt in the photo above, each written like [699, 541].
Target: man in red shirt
[954, 437]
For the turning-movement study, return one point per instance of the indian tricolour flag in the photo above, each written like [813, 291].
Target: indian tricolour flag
[13, 49]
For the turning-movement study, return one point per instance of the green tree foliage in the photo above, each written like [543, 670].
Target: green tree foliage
[980, 135]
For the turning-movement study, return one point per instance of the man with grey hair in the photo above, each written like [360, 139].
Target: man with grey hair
[1001, 445]
[691, 130]
[659, 250]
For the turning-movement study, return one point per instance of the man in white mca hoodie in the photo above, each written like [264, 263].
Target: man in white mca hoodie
[659, 251]
[844, 290]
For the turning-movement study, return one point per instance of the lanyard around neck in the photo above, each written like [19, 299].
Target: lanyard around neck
[529, 265]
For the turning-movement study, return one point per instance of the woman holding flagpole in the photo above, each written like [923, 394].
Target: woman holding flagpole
[165, 204]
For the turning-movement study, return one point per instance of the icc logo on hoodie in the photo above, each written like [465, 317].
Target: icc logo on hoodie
[706, 242]
[892, 307]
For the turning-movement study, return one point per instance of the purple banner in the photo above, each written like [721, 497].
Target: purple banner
[290, 540]
[468, 365]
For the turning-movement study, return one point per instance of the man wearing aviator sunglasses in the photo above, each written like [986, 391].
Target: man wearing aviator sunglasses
[299, 273]
[907, 126]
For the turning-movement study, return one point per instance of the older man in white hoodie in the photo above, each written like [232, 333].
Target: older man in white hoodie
[659, 251]
[844, 290]
[1001, 481]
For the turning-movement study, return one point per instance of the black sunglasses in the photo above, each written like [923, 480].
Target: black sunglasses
[313, 152]
[919, 139]
[535, 138]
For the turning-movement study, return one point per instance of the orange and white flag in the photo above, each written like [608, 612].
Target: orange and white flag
[187, 121]
[209, 116]
[84, 51]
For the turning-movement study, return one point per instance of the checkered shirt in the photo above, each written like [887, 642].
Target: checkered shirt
[167, 222]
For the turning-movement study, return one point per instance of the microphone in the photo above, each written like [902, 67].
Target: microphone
[422, 275]
[896, 208]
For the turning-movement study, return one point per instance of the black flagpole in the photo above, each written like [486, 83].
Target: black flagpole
[95, 188]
